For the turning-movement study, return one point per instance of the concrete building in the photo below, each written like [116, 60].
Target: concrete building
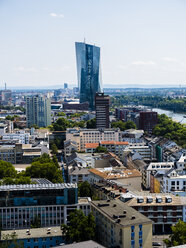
[38, 111]
[20, 136]
[153, 167]
[79, 175]
[121, 226]
[102, 110]
[83, 136]
[51, 203]
[175, 183]
[143, 150]
[115, 147]
[163, 209]
[36, 237]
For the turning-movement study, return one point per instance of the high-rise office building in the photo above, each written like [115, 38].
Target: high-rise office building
[148, 120]
[38, 111]
[65, 86]
[88, 72]
[102, 110]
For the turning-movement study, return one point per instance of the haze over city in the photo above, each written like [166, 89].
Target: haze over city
[142, 42]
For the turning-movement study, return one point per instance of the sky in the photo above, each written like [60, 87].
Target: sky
[143, 42]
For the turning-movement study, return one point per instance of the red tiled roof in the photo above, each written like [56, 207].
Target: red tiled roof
[91, 145]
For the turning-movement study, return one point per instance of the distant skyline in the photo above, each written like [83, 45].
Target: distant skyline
[142, 41]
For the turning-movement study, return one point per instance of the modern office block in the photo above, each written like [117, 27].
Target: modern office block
[65, 86]
[51, 203]
[88, 72]
[148, 120]
[102, 110]
[38, 111]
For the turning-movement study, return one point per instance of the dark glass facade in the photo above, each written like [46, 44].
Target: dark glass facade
[38, 197]
[88, 72]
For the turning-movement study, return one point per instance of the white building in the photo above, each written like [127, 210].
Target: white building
[162, 167]
[79, 175]
[20, 136]
[174, 183]
[143, 150]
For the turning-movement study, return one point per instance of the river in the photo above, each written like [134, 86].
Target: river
[175, 116]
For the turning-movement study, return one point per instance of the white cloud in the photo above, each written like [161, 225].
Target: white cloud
[64, 68]
[169, 59]
[122, 67]
[55, 15]
[140, 62]
[24, 69]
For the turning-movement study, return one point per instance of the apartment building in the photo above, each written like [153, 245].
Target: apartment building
[121, 226]
[79, 175]
[115, 147]
[83, 136]
[174, 182]
[20, 136]
[154, 167]
[51, 203]
[143, 150]
[163, 209]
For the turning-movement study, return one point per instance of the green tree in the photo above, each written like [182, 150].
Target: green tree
[61, 124]
[44, 167]
[130, 125]
[80, 228]
[54, 149]
[84, 189]
[7, 170]
[91, 123]
[178, 236]
[61, 114]
[100, 149]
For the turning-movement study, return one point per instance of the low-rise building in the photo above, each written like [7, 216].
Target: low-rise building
[121, 226]
[115, 147]
[124, 176]
[154, 167]
[175, 183]
[79, 175]
[35, 237]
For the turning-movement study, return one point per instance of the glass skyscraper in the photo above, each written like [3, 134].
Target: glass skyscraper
[88, 72]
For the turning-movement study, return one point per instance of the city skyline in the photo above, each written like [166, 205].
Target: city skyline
[143, 43]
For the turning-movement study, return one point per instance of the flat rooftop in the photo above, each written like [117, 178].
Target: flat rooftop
[116, 209]
[84, 244]
[37, 186]
[34, 232]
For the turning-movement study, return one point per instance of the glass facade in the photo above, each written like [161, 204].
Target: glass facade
[88, 72]
[38, 197]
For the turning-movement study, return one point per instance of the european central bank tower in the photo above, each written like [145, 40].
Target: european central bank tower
[88, 72]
